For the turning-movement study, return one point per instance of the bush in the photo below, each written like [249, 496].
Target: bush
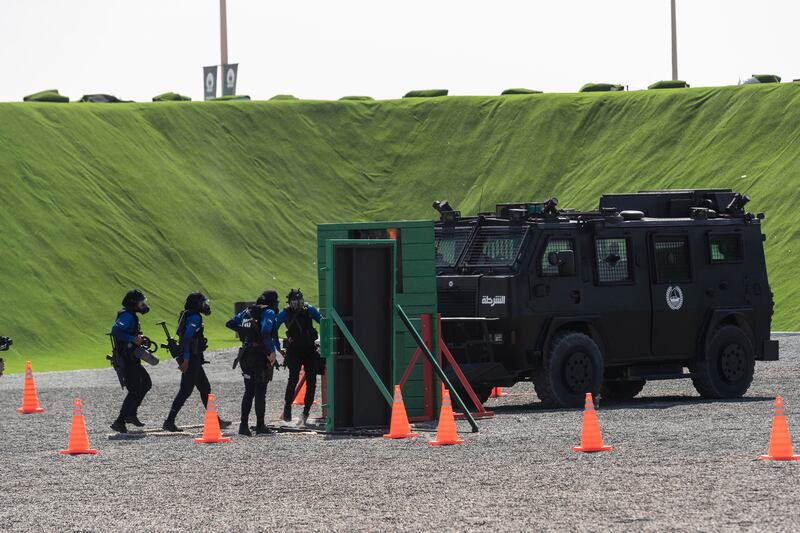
[231, 97]
[50, 95]
[601, 87]
[520, 90]
[171, 97]
[284, 97]
[669, 84]
[767, 78]
[357, 98]
[426, 93]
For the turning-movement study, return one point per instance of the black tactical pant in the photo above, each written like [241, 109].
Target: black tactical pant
[308, 359]
[194, 377]
[138, 383]
[255, 388]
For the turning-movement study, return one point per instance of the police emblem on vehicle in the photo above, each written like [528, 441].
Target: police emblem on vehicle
[674, 297]
[497, 300]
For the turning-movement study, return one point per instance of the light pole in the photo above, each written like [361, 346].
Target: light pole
[223, 30]
[674, 43]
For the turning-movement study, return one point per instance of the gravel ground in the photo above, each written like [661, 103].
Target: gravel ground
[678, 463]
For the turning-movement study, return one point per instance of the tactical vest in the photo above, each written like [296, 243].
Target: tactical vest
[121, 347]
[199, 342]
[300, 328]
[250, 329]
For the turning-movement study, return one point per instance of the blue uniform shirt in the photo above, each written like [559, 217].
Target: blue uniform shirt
[124, 328]
[313, 312]
[267, 327]
[193, 322]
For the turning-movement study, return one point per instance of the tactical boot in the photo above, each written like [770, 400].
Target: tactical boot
[119, 426]
[261, 429]
[223, 424]
[135, 421]
[169, 425]
[303, 420]
[287, 413]
[244, 429]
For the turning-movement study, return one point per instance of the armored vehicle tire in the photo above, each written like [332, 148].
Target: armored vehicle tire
[572, 367]
[726, 369]
[621, 390]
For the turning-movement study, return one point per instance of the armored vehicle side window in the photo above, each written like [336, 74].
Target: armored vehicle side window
[449, 245]
[612, 260]
[495, 246]
[671, 256]
[726, 248]
[553, 245]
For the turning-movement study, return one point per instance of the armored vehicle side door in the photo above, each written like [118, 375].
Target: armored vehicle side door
[554, 290]
[677, 300]
[621, 296]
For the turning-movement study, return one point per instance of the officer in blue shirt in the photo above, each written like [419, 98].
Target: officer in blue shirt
[255, 326]
[192, 340]
[301, 350]
[127, 336]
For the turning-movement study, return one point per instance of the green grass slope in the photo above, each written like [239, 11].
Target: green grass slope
[225, 196]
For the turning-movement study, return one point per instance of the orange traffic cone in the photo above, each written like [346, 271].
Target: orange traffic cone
[78, 438]
[30, 400]
[399, 427]
[780, 443]
[211, 431]
[446, 432]
[591, 439]
[497, 392]
[300, 397]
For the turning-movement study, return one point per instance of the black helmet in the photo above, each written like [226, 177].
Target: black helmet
[197, 302]
[295, 299]
[135, 302]
[269, 298]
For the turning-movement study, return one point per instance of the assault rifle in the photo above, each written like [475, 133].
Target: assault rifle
[172, 344]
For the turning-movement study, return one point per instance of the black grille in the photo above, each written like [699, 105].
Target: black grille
[457, 303]
[495, 246]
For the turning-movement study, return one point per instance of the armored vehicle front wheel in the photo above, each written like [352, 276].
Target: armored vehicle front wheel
[621, 390]
[572, 367]
[726, 369]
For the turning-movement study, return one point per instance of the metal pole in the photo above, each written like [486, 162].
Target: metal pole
[674, 43]
[223, 32]
[436, 367]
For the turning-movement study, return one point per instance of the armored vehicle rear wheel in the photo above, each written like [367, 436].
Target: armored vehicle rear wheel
[621, 390]
[573, 366]
[726, 369]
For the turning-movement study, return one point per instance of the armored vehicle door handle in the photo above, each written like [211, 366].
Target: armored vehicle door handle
[576, 296]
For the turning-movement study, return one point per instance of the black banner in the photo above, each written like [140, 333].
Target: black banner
[229, 73]
[210, 82]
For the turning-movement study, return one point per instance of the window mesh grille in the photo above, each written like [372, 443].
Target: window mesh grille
[449, 244]
[612, 260]
[553, 245]
[726, 248]
[672, 259]
[495, 246]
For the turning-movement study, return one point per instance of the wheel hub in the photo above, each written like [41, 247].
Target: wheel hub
[732, 362]
[578, 371]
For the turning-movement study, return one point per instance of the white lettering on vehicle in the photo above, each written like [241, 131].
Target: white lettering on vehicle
[497, 300]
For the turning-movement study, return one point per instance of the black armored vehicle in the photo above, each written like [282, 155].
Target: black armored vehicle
[652, 285]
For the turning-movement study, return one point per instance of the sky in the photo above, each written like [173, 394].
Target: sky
[327, 49]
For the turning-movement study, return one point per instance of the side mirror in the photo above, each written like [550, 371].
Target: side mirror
[564, 260]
